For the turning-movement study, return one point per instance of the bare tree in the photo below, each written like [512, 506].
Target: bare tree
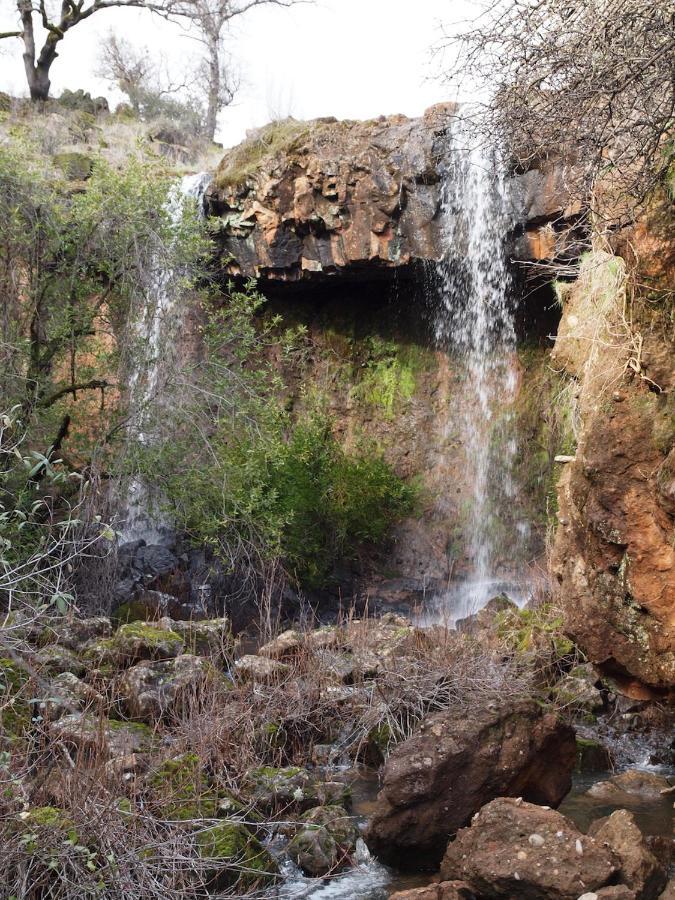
[211, 19]
[589, 80]
[150, 85]
[35, 16]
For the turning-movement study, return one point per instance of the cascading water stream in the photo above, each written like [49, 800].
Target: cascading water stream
[474, 323]
[155, 332]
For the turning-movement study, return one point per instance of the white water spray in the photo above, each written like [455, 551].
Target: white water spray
[474, 321]
[155, 334]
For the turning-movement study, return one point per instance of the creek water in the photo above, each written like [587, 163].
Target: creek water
[155, 329]
[369, 880]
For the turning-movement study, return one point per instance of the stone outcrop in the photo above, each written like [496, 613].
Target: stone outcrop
[435, 781]
[639, 868]
[516, 849]
[614, 558]
[305, 200]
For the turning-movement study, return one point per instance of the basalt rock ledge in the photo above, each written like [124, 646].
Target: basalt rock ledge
[301, 201]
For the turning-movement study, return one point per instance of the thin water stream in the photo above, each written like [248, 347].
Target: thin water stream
[155, 331]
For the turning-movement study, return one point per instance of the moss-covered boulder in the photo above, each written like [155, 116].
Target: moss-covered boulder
[183, 789]
[133, 642]
[153, 689]
[15, 713]
[55, 659]
[276, 789]
[324, 841]
[92, 735]
[234, 856]
[75, 166]
[210, 637]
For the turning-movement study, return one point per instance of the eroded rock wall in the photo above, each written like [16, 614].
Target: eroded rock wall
[614, 558]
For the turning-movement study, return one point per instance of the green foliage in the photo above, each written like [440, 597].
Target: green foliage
[71, 266]
[389, 377]
[280, 488]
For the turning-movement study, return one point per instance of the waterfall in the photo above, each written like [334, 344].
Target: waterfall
[474, 322]
[155, 333]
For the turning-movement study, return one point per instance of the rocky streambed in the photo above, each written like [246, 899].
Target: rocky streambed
[366, 758]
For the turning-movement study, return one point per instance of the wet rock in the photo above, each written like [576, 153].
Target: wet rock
[315, 851]
[151, 690]
[298, 201]
[485, 619]
[592, 756]
[325, 839]
[614, 558]
[91, 734]
[640, 870]
[276, 789]
[149, 567]
[633, 783]
[578, 693]
[434, 782]
[234, 856]
[258, 668]
[497, 857]
[444, 890]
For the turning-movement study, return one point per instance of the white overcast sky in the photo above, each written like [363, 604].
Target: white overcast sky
[345, 58]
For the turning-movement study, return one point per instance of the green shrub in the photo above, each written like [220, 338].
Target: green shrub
[240, 475]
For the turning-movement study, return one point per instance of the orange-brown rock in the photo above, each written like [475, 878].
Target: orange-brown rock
[614, 557]
[305, 200]
[434, 782]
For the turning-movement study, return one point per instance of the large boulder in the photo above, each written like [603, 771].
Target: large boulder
[640, 869]
[435, 781]
[518, 850]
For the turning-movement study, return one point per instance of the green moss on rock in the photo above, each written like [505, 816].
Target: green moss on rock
[15, 712]
[236, 857]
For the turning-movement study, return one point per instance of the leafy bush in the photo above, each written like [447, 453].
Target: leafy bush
[242, 477]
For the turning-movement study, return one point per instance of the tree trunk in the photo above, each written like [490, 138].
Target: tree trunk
[38, 80]
[37, 73]
[213, 91]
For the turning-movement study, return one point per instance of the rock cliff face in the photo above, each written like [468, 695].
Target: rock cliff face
[301, 201]
[350, 212]
[614, 557]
